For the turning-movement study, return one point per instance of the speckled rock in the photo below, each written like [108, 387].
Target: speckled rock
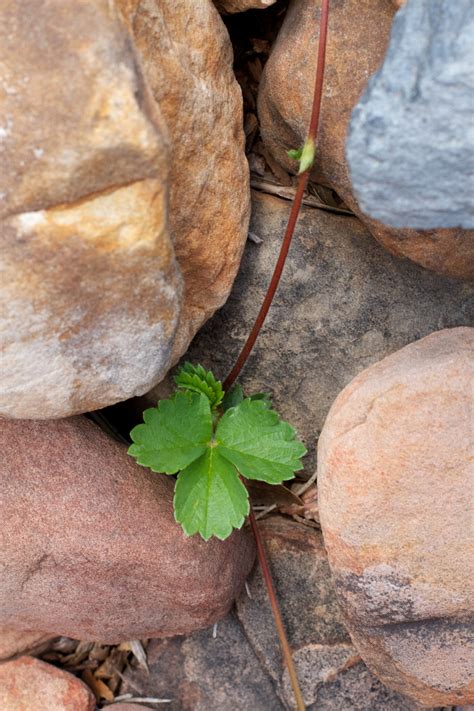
[90, 548]
[344, 303]
[395, 482]
[358, 37]
[27, 684]
[190, 75]
[90, 291]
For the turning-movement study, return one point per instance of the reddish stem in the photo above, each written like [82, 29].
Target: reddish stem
[262, 314]
[284, 644]
[295, 208]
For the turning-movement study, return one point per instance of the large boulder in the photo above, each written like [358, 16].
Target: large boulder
[27, 684]
[410, 146]
[90, 548]
[190, 75]
[90, 291]
[358, 37]
[395, 483]
[103, 180]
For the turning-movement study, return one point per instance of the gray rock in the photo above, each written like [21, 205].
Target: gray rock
[411, 139]
[213, 669]
[343, 304]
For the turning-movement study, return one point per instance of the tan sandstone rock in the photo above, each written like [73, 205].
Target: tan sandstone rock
[100, 178]
[27, 684]
[395, 477]
[187, 60]
[90, 291]
[358, 37]
[89, 545]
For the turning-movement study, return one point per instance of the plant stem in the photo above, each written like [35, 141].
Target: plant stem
[295, 208]
[284, 644]
[262, 314]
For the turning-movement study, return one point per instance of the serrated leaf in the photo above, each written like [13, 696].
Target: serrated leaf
[259, 443]
[196, 379]
[209, 497]
[233, 397]
[173, 434]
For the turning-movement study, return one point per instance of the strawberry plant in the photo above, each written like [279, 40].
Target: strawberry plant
[212, 439]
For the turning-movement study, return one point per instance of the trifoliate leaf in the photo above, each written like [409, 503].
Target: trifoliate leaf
[196, 379]
[233, 397]
[209, 497]
[174, 433]
[250, 439]
[258, 443]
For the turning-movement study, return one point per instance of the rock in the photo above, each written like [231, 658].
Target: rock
[90, 290]
[90, 547]
[410, 151]
[231, 6]
[191, 78]
[329, 668]
[99, 181]
[28, 683]
[395, 485]
[237, 665]
[13, 642]
[357, 40]
[212, 669]
[343, 304]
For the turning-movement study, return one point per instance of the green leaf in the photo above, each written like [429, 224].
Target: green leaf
[295, 153]
[266, 397]
[233, 397]
[209, 497]
[258, 443]
[196, 379]
[173, 434]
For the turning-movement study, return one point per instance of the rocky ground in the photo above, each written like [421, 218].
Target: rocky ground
[142, 232]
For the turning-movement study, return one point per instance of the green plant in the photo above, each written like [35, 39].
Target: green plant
[305, 155]
[211, 439]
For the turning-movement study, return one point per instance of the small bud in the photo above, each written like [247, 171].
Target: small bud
[307, 156]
